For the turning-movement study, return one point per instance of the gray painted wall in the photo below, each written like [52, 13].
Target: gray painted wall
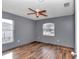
[23, 30]
[26, 30]
[64, 29]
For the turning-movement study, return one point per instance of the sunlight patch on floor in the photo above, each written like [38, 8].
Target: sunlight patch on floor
[8, 56]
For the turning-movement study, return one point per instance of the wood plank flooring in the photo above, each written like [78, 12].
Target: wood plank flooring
[38, 50]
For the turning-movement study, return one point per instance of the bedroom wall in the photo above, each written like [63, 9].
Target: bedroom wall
[26, 30]
[64, 30]
[23, 30]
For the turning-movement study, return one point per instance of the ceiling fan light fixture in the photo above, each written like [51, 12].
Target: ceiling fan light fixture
[37, 10]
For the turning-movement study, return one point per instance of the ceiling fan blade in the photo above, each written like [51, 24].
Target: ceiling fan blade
[32, 10]
[30, 13]
[43, 14]
[43, 11]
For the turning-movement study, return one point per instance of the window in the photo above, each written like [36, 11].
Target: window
[49, 29]
[7, 31]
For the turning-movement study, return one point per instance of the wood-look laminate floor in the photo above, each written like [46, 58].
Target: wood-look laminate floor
[35, 50]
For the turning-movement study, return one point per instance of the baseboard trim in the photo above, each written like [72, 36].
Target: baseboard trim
[36, 42]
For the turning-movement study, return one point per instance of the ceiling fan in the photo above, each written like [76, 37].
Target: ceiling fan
[37, 12]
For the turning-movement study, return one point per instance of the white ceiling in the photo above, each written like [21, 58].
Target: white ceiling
[55, 8]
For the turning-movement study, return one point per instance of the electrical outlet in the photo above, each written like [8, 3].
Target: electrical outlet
[18, 41]
[58, 40]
